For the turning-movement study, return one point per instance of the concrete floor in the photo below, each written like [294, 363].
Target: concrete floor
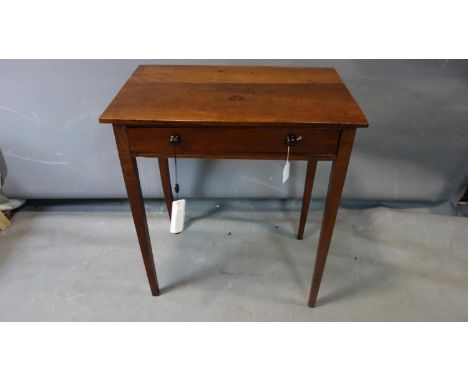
[233, 265]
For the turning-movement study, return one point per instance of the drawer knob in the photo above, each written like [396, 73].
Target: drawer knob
[292, 140]
[174, 140]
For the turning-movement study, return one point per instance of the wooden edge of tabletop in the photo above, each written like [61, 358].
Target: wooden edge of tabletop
[172, 124]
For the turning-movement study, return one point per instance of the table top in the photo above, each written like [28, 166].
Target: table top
[234, 96]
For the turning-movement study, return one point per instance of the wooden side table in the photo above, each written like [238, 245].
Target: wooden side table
[235, 112]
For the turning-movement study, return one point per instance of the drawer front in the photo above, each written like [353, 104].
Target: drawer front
[232, 140]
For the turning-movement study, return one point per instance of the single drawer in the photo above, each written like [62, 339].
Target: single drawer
[232, 140]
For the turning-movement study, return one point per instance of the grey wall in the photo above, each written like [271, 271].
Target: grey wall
[416, 148]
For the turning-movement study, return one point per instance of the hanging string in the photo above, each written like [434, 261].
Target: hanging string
[176, 186]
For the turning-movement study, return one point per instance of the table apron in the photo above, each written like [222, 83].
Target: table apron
[233, 142]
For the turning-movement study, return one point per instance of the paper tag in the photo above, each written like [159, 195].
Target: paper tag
[286, 171]
[177, 216]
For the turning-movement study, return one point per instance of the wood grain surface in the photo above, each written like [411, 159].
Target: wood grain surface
[234, 96]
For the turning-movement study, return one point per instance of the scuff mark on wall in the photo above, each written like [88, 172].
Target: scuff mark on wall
[259, 182]
[33, 118]
[93, 115]
[9, 154]
[444, 64]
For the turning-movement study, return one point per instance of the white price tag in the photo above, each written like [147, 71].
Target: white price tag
[286, 168]
[286, 171]
[177, 216]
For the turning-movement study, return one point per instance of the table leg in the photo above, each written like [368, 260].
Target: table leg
[335, 188]
[135, 197]
[309, 183]
[166, 183]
